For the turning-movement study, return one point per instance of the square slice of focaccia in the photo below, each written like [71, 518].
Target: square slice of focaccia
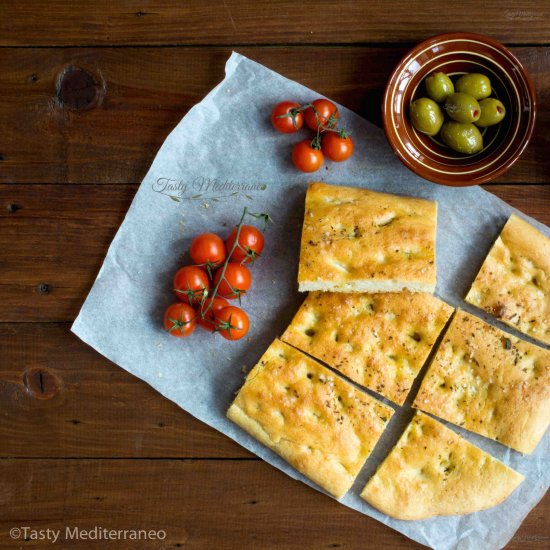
[513, 283]
[489, 382]
[432, 471]
[318, 422]
[356, 240]
[378, 340]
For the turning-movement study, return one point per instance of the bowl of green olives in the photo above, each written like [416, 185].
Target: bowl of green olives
[459, 109]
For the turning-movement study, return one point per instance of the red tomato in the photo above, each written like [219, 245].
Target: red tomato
[251, 244]
[207, 249]
[233, 323]
[206, 312]
[236, 281]
[285, 118]
[327, 114]
[336, 147]
[191, 284]
[306, 158]
[180, 320]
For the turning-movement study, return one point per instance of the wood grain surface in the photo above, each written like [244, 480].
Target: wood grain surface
[89, 92]
[237, 504]
[79, 401]
[144, 92]
[73, 225]
[61, 22]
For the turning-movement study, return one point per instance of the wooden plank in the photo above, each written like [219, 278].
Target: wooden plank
[62, 398]
[199, 504]
[240, 21]
[144, 92]
[53, 246]
[61, 233]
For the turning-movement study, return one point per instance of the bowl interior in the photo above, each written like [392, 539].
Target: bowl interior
[455, 55]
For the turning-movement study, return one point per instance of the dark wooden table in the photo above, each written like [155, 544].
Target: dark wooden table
[89, 91]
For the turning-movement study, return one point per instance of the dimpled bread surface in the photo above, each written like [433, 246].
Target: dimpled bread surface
[316, 421]
[357, 240]
[432, 471]
[513, 283]
[489, 382]
[379, 340]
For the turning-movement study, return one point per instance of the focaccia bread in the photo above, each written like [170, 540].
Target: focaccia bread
[513, 283]
[318, 422]
[489, 382]
[379, 340]
[356, 240]
[432, 471]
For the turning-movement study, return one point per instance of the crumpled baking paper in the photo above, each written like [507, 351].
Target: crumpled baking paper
[222, 156]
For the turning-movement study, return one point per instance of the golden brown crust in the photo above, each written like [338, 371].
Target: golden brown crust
[432, 471]
[318, 422]
[356, 240]
[379, 341]
[489, 382]
[513, 283]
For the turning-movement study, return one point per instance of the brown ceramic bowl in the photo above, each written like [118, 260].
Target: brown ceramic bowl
[456, 54]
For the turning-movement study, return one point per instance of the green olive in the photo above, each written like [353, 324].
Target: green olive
[426, 116]
[462, 137]
[475, 84]
[492, 112]
[439, 86]
[462, 107]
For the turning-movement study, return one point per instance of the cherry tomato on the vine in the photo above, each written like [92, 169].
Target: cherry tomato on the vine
[336, 147]
[236, 281]
[180, 320]
[191, 284]
[250, 246]
[323, 114]
[233, 323]
[207, 249]
[306, 158]
[286, 118]
[206, 312]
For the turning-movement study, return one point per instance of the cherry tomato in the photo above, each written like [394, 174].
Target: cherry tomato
[207, 249]
[290, 123]
[306, 158]
[251, 244]
[191, 284]
[233, 323]
[180, 320]
[207, 318]
[236, 281]
[327, 114]
[337, 148]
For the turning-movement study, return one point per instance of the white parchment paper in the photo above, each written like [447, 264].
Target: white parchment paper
[222, 156]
